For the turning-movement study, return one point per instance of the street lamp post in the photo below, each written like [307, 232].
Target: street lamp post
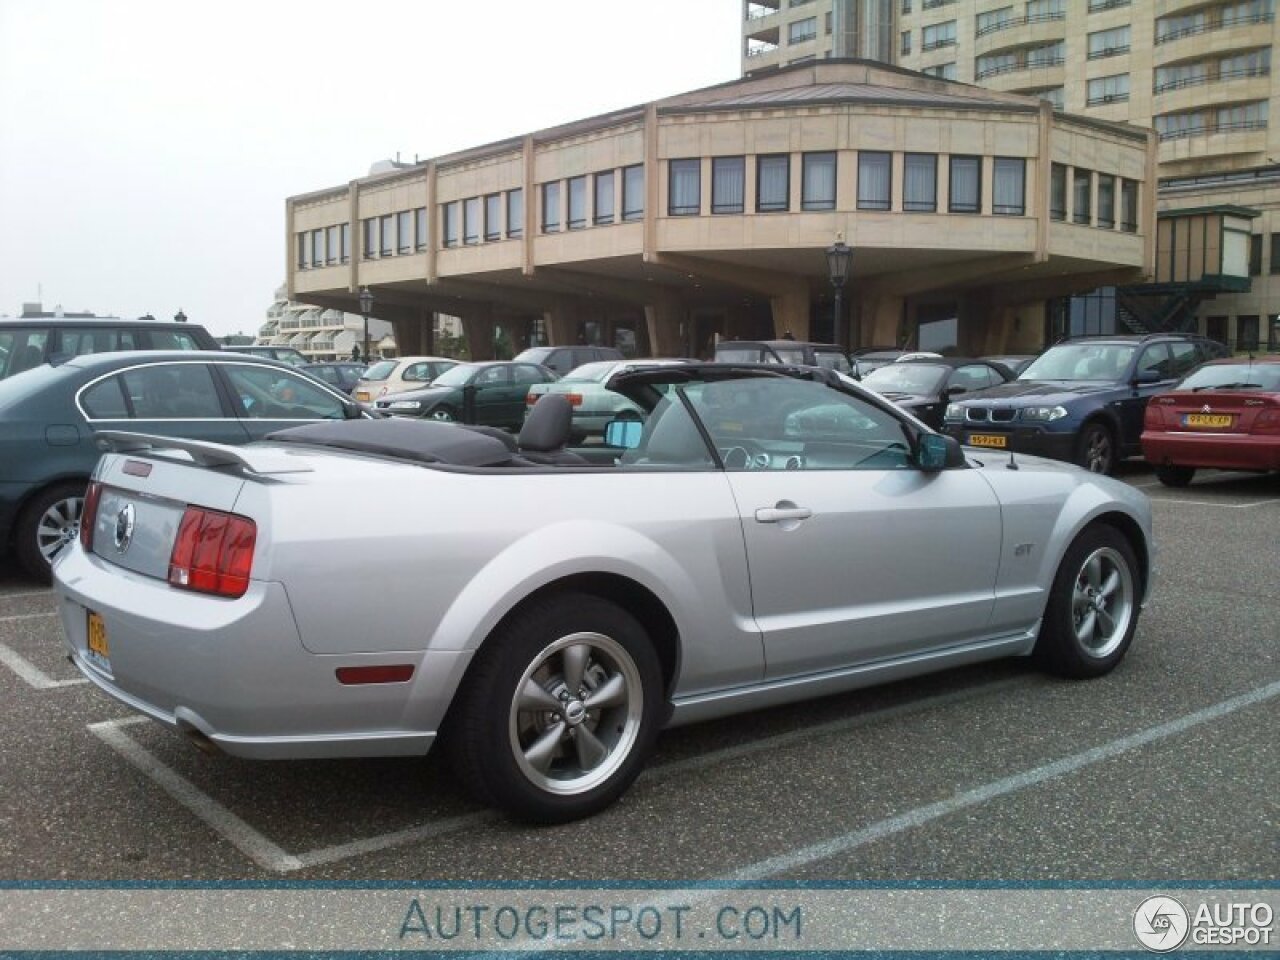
[366, 304]
[838, 258]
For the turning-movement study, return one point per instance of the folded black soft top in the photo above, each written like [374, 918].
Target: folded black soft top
[422, 441]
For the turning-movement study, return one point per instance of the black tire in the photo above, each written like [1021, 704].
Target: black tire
[1096, 448]
[1074, 638]
[1174, 476]
[444, 413]
[495, 739]
[49, 521]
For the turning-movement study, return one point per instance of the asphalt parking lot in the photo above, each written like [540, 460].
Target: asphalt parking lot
[1168, 769]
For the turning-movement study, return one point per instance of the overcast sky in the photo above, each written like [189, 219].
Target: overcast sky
[147, 146]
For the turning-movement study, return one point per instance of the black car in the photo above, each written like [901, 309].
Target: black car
[51, 413]
[491, 394]
[560, 360]
[924, 387]
[30, 341]
[1082, 400]
[790, 352]
[340, 374]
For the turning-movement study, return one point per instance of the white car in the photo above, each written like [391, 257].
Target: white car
[396, 376]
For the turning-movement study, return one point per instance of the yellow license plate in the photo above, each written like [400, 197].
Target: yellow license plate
[362, 395]
[99, 652]
[988, 440]
[1208, 420]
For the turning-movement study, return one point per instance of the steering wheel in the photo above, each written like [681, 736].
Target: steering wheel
[745, 455]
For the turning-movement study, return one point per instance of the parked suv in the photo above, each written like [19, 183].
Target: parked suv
[783, 351]
[560, 360]
[1082, 400]
[30, 342]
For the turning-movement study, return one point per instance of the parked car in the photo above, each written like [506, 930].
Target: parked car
[1082, 400]
[826, 355]
[593, 404]
[867, 359]
[284, 354]
[560, 360]
[1017, 362]
[386, 377]
[764, 535]
[28, 342]
[50, 415]
[497, 391]
[1226, 415]
[924, 387]
[341, 374]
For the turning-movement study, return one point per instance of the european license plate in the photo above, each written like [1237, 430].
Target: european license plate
[362, 395]
[1206, 420]
[988, 440]
[97, 651]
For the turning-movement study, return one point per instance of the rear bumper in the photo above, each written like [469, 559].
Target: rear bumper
[234, 672]
[1035, 441]
[1223, 451]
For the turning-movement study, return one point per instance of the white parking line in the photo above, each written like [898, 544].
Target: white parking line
[32, 674]
[1212, 503]
[27, 616]
[824, 850]
[262, 851]
[26, 593]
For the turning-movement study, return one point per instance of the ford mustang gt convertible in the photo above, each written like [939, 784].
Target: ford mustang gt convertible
[756, 535]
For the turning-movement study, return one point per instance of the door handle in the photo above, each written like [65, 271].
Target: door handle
[779, 514]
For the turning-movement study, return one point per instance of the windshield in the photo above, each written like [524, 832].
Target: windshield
[1081, 361]
[596, 372]
[906, 378]
[1234, 376]
[742, 355]
[379, 371]
[458, 376]
[533, 355]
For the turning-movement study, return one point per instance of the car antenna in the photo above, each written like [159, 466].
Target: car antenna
[1012, 464]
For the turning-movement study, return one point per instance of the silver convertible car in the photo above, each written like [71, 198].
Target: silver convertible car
[758, 535]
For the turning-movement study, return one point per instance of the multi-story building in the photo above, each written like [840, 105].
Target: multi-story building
[320, 334]
[1198, 72]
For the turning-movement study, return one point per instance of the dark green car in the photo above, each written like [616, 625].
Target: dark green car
[492, 394]
[48, 416]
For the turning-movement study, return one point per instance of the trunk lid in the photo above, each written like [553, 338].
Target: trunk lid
[1212, 411]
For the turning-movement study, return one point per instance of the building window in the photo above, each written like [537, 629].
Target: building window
[818, 181]
[993, 20]
[633, 192]
[302, 251]
[1058, 192]
[1255, 255]
[604, 198]
[1009, 187]
[773, 183]
[493, 217]
[344, 239]
[1049, 55]
[1215, 328]
[938, 35]
[1275, 253]
[920, 183]
[1106, 201]
[370, 238]
[1129, 206]
[404, 231]
[388, 225]
[1114, 89]
[1109, 43]
[331, 245]
[515, 213]
[802, 31]
[965, 192]
[685, 189]
[449, 222]
[728, 184]
[1247, 333]
[943, 71]
[471, 220]
[1096, 5]
[420, 228]
[1082, 188]
[906, 6]
[317, 248]
[577, 203]
[1039, 10]
[906, 42]
[551, 207]
[875, 180]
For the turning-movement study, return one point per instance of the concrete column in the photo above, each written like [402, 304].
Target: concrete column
[881, 316]
[562, 323]
[662, 320]
[409, 335]
[791, 312]
[477, 327]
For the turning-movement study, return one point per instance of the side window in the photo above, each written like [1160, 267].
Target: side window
[105, 401]
[973, 376]
[1155, 359]
[1185, 357]
[327, 374]
[173, 391]
[171, 340]
[493, 377]
[81, 341]
[417, 372]
[267, 393]
[525, 374]
[438, 368]
[21, 349]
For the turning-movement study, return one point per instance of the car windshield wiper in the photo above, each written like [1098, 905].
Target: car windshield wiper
[1227, 386]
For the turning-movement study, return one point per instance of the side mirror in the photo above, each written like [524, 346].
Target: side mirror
[1146, 376]
[938, 452]
[623, 433]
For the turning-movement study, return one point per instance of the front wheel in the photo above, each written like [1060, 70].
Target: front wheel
[1095, 450]
[1093, 606]
[443, 415]
[559, 712]
[1175, 476]
[47, 525]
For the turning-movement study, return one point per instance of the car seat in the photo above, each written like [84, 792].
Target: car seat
[546, 431]
[671, 437]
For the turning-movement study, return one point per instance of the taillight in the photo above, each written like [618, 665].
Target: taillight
[213, 552]
[89, 515]
[1153, 419]
[1268, 422]
[575, 399]
[531, 399]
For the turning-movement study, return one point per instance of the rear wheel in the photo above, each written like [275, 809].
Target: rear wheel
[559, 712]
[48, 523]
[1095, 450]
[1173, 476]
[1093, 606]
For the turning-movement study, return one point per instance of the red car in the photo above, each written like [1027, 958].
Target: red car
[1225, 414]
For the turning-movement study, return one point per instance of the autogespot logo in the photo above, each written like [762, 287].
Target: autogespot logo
[1161, 924]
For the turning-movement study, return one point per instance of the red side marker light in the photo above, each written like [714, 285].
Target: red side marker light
[395, 673]
[89, 514]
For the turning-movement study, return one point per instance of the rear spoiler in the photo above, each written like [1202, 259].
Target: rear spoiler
[261, 462]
